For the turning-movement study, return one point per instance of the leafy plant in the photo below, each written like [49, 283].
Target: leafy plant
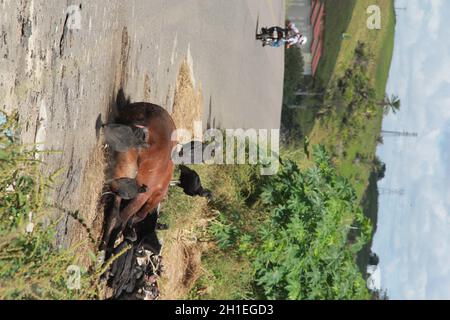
[303, 249]
[225, 233]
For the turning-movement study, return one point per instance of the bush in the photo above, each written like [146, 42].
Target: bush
[302, 250]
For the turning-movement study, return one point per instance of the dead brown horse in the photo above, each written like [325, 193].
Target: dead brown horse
[152, 167]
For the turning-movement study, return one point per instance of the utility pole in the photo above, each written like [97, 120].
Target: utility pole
[391, 191]
[405, 134]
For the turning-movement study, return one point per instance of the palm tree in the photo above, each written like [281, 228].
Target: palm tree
[391, 103]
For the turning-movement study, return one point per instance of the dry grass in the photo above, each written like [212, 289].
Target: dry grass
[188, 100]
[184, 265]
[183, 244]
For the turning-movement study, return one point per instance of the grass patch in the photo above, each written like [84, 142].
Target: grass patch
[338, 17]
[222, 274]
[31, 267]
[386, 51]
[225, 277]
[379, 42]
[352, 135]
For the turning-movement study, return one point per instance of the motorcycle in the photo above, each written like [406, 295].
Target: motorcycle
[271, 37]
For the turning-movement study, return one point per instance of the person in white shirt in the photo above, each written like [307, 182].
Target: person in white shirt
[293, 36]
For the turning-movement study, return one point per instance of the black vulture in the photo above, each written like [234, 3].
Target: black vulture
[121, 137]
[191, 184]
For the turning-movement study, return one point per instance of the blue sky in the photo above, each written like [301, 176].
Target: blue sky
[413, 237]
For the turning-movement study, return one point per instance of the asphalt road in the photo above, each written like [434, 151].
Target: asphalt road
[60, 74]
[241, 81]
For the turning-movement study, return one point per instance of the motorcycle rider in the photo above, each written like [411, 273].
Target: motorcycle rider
[292, 34]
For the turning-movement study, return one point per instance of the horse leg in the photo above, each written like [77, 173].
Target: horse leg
[125, 167]
[141, 215]
[133, 208]
[129, 231]
[111, 229]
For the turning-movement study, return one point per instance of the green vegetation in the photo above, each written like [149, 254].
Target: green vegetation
[30, 265]
[339, 14]
[281, 237]
[350, 121]
[354, 72]
[380, 43]
[302, 251]
[226, 274]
